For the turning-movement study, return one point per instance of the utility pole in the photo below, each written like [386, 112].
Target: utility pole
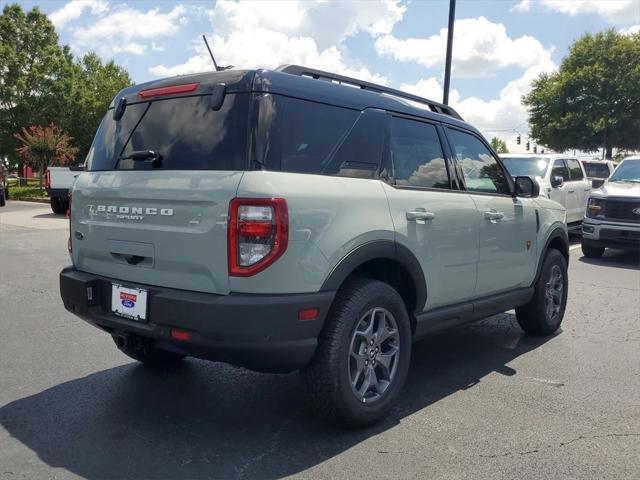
[447, 68]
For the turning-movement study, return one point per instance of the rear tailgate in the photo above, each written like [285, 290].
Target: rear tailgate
[155, 227]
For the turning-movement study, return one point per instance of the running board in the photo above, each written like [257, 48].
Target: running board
[444, 318]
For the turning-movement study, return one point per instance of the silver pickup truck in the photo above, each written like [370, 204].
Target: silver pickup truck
[612, 219]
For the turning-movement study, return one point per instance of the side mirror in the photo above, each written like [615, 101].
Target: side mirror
[526, 187]
[557, 181]
[597, 182]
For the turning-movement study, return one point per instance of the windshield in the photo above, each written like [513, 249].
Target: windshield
[596, 170]
[627, 171]
[526, 166]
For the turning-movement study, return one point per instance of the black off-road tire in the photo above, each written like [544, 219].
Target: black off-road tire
[533, 317]
[58, 206]
[326, 378]
[145, 352]
[590, 251]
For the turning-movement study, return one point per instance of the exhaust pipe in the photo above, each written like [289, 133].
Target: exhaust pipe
[121, 340]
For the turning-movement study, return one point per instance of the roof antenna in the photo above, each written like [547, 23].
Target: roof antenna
[218, 69]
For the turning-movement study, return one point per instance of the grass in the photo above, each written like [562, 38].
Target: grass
[18, 193]
[31, 182]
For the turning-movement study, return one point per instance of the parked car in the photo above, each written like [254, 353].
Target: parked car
[598, 170]
[561, 177]
[612, 218]
[58, 181]
[277, 221]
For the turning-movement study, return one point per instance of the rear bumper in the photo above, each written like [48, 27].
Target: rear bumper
[260, 332]
[624, 236]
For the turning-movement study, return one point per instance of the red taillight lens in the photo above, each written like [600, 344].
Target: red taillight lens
[171, 90]
[258, 234]
[47, 179]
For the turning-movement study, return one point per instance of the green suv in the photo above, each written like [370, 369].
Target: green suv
[297, 219]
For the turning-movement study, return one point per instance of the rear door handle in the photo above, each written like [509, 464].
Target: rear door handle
[420, 214]
[570, 191]
[493, 215]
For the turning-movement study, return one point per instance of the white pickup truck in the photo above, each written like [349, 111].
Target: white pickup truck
[58, 182]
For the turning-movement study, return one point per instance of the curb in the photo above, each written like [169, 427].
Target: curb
[31, 199]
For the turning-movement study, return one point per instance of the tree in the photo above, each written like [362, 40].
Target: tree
[89, 90]
[40, 83]
[44, 146]
[500, 146]
[593, 100]
[31, 67]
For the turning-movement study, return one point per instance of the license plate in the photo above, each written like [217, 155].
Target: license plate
[129, 303]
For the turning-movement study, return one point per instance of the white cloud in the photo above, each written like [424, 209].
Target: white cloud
[157, 47]
[74, 10]
[492, 116]
[269, 34]
[522, 6]
[631, 30]
[613, 11]
[122, 29]
[480, 47]
[328, 23]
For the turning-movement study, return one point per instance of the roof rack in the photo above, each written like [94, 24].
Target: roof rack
[372, 87]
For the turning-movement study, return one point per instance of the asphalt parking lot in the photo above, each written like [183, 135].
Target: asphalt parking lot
[484, 401]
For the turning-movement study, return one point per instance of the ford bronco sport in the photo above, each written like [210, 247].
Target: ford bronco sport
[297, 219]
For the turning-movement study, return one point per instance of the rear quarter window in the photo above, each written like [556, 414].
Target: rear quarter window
[300, 136]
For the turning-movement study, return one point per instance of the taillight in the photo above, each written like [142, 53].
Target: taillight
[258, 234]
[47, 179]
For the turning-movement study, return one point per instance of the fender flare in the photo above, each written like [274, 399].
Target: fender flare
[557, 232]
[379, 249]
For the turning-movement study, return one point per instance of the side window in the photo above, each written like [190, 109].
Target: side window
[482, 172]
[298, 135]
[574, 169]
[560, 170]
[417, 155]
[360, 153]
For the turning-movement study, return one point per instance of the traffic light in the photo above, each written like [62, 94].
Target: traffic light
[526, 146]
[518, 140]
[535, 149]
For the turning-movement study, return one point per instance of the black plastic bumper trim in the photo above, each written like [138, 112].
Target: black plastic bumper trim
[260, 332]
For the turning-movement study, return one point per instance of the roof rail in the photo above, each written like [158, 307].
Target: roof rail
[372, 87]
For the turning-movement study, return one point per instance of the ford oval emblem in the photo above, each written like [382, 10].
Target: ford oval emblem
[128, 303]
[636, 211]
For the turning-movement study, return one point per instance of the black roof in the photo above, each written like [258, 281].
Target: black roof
[349, 93]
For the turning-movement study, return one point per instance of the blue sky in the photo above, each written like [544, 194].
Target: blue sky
[500, 45]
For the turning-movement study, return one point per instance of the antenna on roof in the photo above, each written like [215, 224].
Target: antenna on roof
[218, 69]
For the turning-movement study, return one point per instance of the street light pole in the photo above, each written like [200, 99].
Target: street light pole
[447, 68]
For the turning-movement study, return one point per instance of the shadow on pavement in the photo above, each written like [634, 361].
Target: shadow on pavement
[616, 258]
[50, 215]
[211, 420]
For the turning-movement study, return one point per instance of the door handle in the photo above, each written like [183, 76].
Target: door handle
[493, 215]
[570, 191]
[420, 214]
[587, 189]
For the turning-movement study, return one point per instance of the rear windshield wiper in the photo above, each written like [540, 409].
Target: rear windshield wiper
[142, 155]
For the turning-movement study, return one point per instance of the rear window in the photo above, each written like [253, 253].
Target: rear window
[186, 132]
[596, 170]
[300, 136]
